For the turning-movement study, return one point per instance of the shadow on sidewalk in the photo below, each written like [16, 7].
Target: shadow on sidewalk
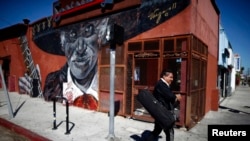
[16, 111]
[235, 110]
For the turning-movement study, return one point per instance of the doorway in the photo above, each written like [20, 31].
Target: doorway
[5, 62]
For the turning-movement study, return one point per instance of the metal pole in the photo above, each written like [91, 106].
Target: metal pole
[67, 116]
[112, 31]
[54, 114]
[111, 136]
[7, 94]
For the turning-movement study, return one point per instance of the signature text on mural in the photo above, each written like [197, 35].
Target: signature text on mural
[158, 14]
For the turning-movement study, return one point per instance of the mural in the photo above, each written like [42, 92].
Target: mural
[80, 43]
[77, 80]
[30, 83]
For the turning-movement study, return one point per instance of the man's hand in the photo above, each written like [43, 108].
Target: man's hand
[178, 97]
[25, 84]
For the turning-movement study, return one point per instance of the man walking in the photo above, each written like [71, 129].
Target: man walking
[165, 96]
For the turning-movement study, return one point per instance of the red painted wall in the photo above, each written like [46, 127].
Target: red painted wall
[200, 19]
[205, 25]
[11, 48]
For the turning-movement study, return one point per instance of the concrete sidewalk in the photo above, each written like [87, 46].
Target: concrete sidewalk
[36, 115]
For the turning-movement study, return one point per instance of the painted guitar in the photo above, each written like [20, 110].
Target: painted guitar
[31, 83]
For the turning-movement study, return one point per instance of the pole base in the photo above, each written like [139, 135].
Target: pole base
[111, 137]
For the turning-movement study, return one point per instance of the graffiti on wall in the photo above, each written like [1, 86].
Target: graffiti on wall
[80, 42]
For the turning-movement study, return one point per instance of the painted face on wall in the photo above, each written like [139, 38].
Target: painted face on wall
[81, 47]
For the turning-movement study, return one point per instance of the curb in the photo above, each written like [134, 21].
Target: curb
[20, 130]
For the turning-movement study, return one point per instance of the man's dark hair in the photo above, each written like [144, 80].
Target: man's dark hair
[166, 72]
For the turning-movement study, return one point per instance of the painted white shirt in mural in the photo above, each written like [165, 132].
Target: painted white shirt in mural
[71, 91]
